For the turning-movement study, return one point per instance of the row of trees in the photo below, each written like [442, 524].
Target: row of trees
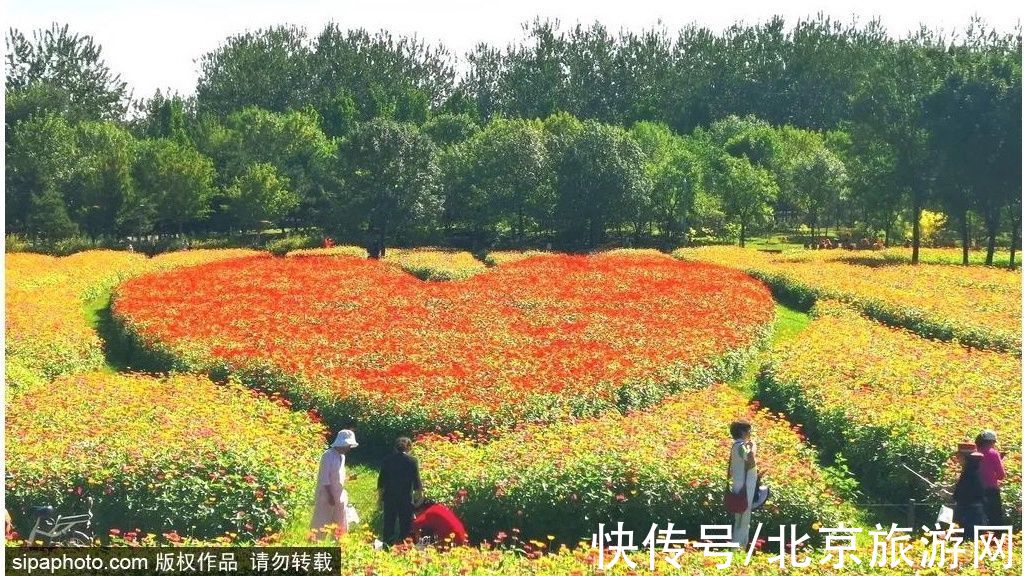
[561, 179]
[566, 136]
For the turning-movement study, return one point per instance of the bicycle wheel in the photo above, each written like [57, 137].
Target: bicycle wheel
[77, 539]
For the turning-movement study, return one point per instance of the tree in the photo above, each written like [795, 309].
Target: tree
[48, 216]
[747, 193]
[448, 129]
[676, 173]
[974, 119]
[260, 194]
[163, 117]
[400, 78]
[889, 108]
[818, 182]
[175, 182]
[390, 178]
[63, 73]
[340, 114]
[511, 167]
[101, 191]
[40, 154]
[268, 68]
[599, 181]
[293, 142]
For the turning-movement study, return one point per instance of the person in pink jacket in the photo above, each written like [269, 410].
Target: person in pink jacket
[992, 474]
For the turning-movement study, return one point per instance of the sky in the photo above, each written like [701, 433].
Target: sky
[157, 44]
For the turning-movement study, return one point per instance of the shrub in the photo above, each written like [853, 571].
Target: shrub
[888, 397]
[976, 306]
[665, 465]
[177, 454]
[434, 264]
[354, 251]
[282, 246]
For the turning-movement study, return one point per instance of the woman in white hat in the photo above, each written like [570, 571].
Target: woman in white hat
[331, 497]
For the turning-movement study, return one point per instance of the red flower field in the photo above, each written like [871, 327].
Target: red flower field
[536, 339]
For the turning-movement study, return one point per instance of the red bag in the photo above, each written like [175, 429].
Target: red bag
[735, 502]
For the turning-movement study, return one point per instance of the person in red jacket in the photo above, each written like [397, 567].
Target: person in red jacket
[440, 523]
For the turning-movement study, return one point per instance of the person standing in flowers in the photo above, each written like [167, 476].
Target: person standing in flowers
[742, 477]
[968, 494]
[331, 501]
[398, 487]
[992, 473]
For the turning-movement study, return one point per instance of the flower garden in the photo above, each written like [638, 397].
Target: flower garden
[538, 340]
[434, 264]
[889, 396]
[549, 392]
[178, 456]
[662, 465]
[978, 306]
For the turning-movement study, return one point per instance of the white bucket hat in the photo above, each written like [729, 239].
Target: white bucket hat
[346, 438]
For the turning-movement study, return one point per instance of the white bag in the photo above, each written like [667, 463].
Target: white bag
[945, 515]
[351, 516]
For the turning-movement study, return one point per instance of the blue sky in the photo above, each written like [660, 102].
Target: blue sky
[156, 44]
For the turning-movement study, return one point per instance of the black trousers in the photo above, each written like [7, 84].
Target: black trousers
[400, 514]
[994, 506]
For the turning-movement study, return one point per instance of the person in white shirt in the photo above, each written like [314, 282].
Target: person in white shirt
[329, 508]
[743, 477]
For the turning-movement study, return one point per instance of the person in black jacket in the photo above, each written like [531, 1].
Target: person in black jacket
[398, 486]
[969, 495]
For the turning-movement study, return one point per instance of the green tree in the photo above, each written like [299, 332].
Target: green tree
[676, 173]
[747, 193]
[599, 181]
[175, 182]
[292, 141]
[390, 178]
[888, 108]
[48, 216]
[61, 72]
[163, 117]
[812, 178]
[39, 154]
[267, 68]
[974, 117]
[101, 193]
[261, 194]
[400, 78]
[511, 166]
[448, 129]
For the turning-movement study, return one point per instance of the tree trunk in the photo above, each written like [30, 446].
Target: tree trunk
[915, 254]
[965, 235]
[743, 235]
[992, 223]
[1014, 233]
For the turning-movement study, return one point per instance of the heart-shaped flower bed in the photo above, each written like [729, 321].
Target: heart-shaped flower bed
[369, 345]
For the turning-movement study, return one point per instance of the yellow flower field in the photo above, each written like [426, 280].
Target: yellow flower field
[886, 396]
[662, 465]
[176, 454]
[356, 251]
[435, 264]
[47, 332]
[978, 306]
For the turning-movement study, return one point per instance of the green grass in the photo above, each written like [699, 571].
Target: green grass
[788, 323]
[362, 493]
